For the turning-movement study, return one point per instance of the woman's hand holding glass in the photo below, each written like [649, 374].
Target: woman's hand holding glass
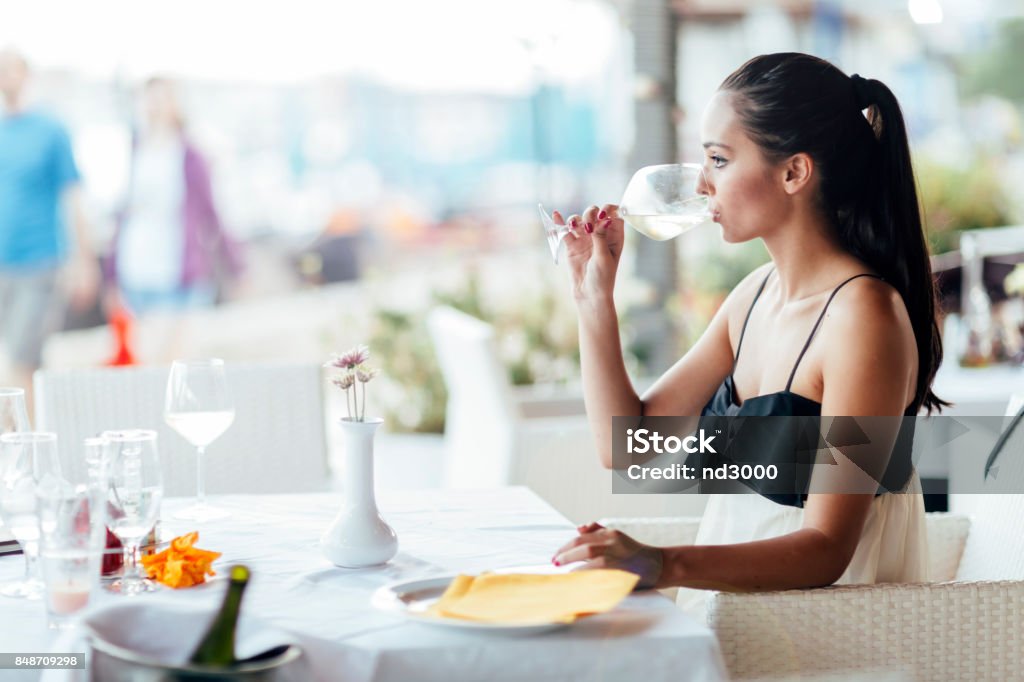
[603, 547]
[593, 249]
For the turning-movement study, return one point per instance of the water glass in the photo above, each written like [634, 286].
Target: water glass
[72, 525]
[133, 497]
[28, 464]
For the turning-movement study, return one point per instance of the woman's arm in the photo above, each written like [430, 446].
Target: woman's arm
[868, 370]
[607, 390]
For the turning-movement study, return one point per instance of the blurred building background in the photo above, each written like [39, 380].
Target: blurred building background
[374, 159]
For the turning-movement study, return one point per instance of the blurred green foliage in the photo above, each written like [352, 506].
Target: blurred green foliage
[959, 198]
[535, 332]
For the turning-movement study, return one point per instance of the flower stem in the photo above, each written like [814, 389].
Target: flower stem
[362, 415]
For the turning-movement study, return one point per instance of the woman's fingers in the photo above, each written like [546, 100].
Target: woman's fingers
[559, 220]
[589, 550]
[592, 541]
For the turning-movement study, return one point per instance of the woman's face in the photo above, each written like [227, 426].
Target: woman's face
[745, 190]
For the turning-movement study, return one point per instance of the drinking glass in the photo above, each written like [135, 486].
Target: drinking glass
[28, 464]
[199, 407]
[134, 491]
[660, 202]
[72, 524]
[13, 416]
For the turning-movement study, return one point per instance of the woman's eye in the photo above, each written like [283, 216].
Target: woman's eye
[717, 161]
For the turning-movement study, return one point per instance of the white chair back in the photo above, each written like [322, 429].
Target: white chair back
[995, 545]
[481, 414]
[276, 443]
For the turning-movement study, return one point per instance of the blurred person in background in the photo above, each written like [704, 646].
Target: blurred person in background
[170, 251]
[42, 267]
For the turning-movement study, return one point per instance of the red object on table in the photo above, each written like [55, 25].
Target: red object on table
[121, 322]
[113, 561]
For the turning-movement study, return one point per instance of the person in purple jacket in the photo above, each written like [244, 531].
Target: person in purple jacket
[170, 249]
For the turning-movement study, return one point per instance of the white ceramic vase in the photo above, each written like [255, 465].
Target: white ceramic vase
[358, 536]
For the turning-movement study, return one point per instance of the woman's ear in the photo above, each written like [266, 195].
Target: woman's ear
[799, 170]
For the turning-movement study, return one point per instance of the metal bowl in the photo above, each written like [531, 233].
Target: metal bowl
[112, 663]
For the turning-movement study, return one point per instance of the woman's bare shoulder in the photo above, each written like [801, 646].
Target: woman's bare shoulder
[870, 304]
[870, 350]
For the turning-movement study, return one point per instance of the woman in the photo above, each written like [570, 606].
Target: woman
[169, 245]
[841, 322]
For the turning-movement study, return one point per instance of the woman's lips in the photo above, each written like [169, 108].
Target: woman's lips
[715, 215]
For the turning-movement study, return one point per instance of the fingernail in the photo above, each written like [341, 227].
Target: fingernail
[590, 228]
[573, 222]
[602, 215]
[557, 563]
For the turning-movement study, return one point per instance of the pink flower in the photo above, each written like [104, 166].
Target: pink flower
[351, 359]
[344, 382]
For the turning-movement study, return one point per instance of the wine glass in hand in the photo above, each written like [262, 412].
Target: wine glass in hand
[199, 407]
[133, 497]
[660, 202]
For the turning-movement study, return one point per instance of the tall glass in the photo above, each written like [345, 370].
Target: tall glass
[660, 202]
[29, 464]
[73, 531]
[199, 406]
[13, 417]
[133, 497]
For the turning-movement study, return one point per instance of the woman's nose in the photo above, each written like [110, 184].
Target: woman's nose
[703, 186]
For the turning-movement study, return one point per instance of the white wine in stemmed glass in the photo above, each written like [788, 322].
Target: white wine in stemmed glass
[660, 202]
[199, 406]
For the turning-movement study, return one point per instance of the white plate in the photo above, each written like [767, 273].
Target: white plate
[412, 598]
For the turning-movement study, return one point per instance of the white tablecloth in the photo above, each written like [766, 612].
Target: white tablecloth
[296, 589]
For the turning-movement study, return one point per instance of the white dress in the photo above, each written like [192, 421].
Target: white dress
[893, 546]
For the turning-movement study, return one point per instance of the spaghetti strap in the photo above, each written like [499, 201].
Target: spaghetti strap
[743, 331]
[814, 330]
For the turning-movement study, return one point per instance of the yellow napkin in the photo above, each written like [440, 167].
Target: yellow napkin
[521, 598]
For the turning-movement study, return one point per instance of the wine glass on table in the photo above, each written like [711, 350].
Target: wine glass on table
[199, 407]
[134, 491]
[660, 202]
[13, 416]
[29, 464]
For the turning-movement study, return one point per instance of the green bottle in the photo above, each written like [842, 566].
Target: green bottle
[217, 648]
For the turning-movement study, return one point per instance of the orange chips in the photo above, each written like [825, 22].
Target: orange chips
[181, 564]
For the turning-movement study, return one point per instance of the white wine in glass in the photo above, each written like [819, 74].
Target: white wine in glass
[199, 407]
[660, 202]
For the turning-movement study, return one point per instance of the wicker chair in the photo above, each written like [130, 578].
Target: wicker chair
[276, 443]
[967, 625]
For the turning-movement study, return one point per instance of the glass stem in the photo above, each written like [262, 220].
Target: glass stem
[31, 560]
[135, 563]
[132, 577]
[201, 475]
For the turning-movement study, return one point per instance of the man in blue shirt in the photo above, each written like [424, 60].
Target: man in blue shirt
[41, 265]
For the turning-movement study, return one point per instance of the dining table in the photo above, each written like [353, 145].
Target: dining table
[441, 532]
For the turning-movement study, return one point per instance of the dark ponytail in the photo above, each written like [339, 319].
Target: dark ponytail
[792, 103]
